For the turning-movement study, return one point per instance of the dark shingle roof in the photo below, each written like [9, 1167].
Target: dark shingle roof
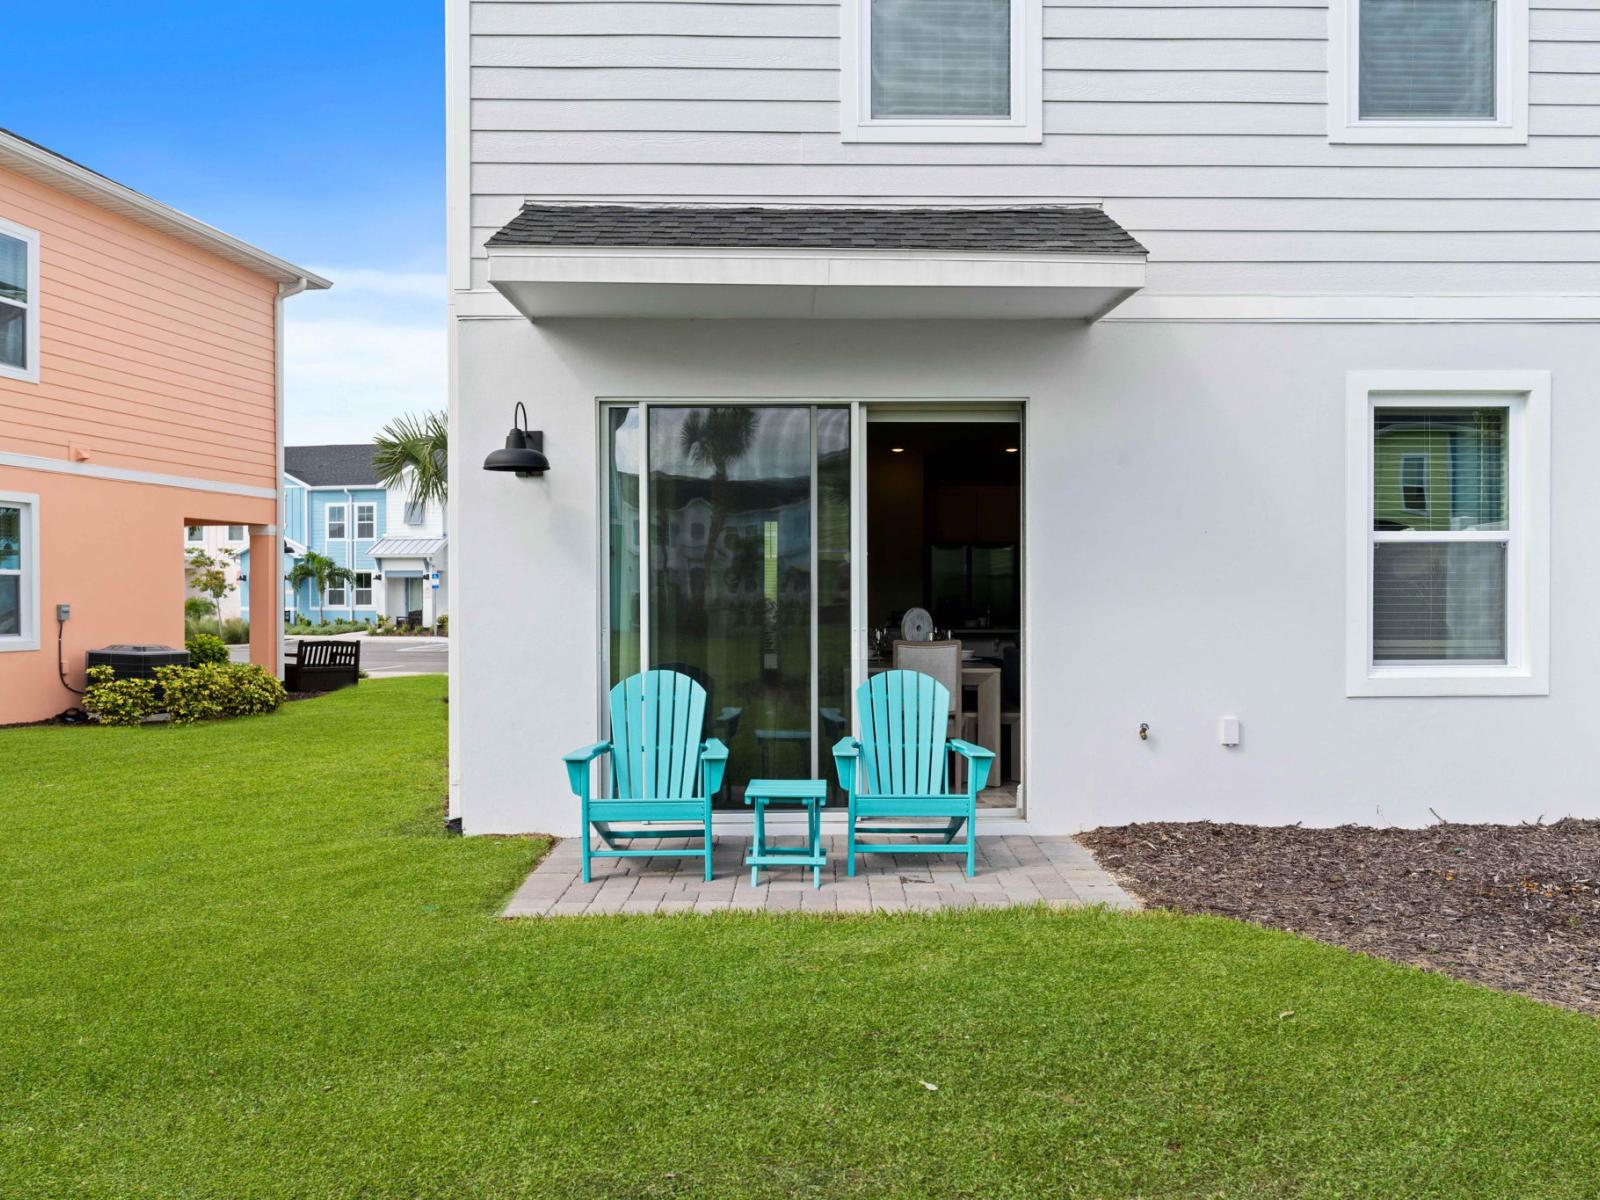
[322, 466]
[1059, 229]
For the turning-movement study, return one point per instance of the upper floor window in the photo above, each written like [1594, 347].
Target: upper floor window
[366, 520]
[19, 571]
[1449, 576]
[19, 303]
[336, 522]
[194, 535]
[236, 533]
[1428, 71]
[942, 70]
[413, 512]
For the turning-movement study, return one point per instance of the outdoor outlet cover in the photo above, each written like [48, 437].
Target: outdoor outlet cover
[1228, 731]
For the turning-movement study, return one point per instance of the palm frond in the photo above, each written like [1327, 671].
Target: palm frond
[411, 452]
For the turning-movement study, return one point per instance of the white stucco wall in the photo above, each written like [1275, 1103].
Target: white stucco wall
[1186, 559]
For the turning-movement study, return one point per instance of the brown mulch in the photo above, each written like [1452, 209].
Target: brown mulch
[1515, 907]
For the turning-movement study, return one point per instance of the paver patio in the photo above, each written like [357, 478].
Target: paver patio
[1011, 870]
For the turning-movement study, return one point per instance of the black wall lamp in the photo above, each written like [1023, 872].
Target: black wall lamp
[524, 450]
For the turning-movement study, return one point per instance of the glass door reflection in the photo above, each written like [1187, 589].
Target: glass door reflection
[745, 509]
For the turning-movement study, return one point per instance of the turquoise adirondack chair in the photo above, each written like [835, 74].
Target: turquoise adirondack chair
[900, 768]
[660, 769]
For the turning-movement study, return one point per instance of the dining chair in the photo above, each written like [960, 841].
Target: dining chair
[941, 660]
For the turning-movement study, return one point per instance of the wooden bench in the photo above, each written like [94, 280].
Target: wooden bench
[322, 665]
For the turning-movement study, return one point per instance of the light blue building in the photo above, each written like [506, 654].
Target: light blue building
[335, 506]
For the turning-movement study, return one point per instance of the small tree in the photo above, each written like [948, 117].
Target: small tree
[411, 452]
[208, 575]
[321, 572]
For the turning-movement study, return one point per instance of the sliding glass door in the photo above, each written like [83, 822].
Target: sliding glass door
[728, 559]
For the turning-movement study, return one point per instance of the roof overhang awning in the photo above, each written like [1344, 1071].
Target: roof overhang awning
[407, 547]
[674, 261]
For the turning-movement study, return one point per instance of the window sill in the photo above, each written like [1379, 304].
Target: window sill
[11, 644]
[1430, 133]
[1464, 681]
[20, 374]
[951, 132]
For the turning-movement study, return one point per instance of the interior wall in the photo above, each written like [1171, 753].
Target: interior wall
[896, 521]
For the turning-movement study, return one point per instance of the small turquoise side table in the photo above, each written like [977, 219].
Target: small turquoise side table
[813, 793]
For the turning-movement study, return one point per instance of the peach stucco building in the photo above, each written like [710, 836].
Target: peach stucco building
[140, 392]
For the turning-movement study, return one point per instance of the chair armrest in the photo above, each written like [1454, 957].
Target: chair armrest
[578, 766]
[845, 753]
[979, 761]
[714, 761]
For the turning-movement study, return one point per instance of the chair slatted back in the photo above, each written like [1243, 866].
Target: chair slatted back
[656, 721]
[904, 717]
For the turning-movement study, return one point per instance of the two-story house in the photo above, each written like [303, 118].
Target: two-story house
[336, 506]
[140, 393]
[1219, 374]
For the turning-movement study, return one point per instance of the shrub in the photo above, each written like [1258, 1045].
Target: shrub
[236, 631]
[215, 690]
[205, 648]
[194, 625]
[443, 623]
[196, 609]
[115, 701]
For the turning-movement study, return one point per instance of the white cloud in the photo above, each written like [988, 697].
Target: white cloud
[363, 353]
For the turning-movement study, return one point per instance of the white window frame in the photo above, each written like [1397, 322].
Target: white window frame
[336, 588]
[194, 535]
[327, 523]
[1510, 74]
[242, 534]
[27, 635]
[1526, 395]
[29, 371]
[1426, 485]
[371, 519]
[357, 589]
[415, 513]
[1025, 124]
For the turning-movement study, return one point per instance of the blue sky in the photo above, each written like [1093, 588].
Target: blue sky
[314, 130]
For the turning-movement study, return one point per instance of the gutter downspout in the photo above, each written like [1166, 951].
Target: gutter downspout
[350, 551]
[285, 290]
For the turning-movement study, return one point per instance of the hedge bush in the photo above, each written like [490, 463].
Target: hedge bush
[206, 648]
[215, 690]
[203, 693]
[116, 701]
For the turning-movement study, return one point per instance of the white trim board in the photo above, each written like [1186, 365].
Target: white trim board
[1374, 309]
[35, 462]
[487, 304]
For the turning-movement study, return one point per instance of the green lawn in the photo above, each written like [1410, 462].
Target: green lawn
[241, 960]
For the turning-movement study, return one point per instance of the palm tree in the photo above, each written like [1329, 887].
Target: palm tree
[321, 572]
[410, 451]
[716, 437]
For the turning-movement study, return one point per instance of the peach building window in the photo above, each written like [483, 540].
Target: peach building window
[19, 302]
[19, 571]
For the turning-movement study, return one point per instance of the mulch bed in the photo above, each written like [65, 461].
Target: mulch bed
[1515, 907]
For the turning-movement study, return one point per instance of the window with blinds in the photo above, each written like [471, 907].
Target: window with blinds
[1427, 60]
[1441, 534]
[941, 59]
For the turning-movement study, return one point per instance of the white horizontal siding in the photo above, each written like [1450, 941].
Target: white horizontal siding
[1202, 127]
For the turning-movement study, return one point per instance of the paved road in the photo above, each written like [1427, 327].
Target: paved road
[385, 656]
